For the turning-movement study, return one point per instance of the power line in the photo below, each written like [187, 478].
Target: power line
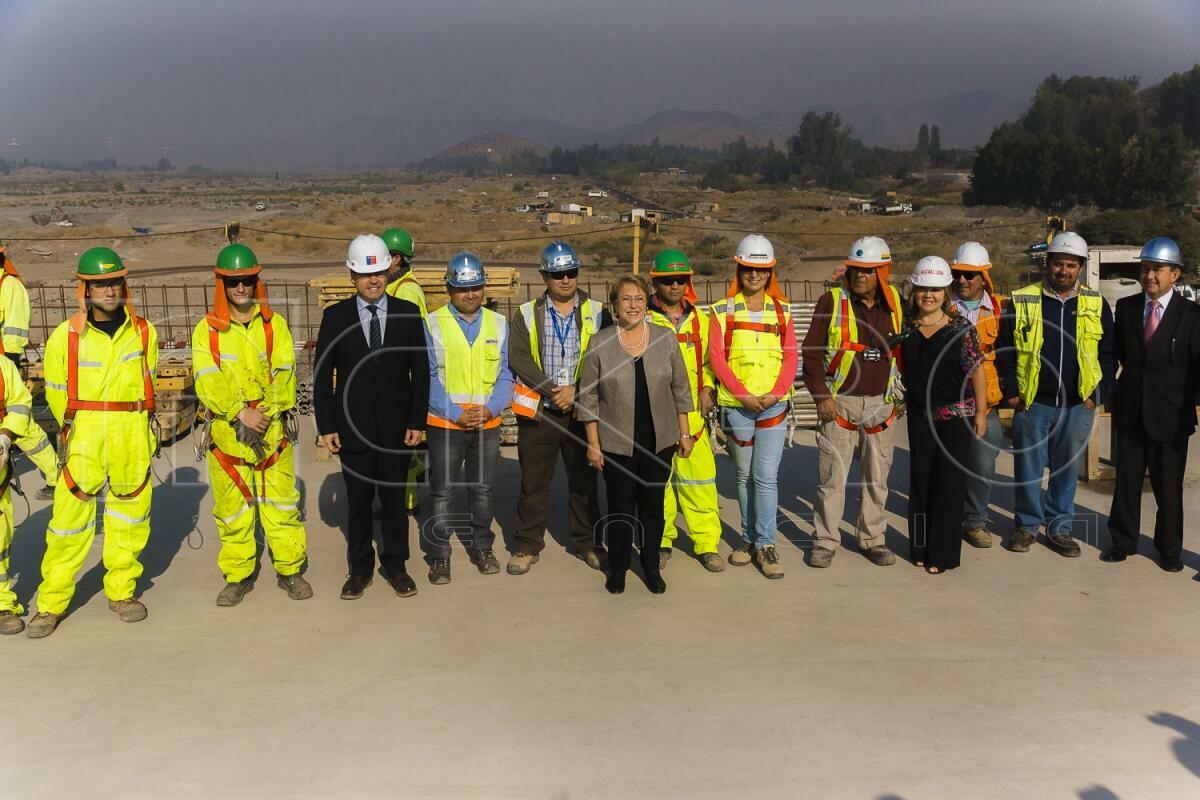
[539, 237]
[891, 234]
[119, 236]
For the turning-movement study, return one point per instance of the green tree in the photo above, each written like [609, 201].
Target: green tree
[923, 138]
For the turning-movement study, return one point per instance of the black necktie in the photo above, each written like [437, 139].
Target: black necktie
[376, 328]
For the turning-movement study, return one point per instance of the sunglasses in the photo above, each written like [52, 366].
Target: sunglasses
[964, 276]
[242, 281]
[672, 281]
[567, 275]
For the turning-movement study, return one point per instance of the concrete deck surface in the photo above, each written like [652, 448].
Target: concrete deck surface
[1014, 676]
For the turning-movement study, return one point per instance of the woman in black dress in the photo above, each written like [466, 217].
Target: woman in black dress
[946, 398]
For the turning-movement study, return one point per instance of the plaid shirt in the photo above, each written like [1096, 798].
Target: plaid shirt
[560, 357]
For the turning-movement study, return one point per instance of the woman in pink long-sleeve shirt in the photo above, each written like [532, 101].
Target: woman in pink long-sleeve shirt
[752, 350]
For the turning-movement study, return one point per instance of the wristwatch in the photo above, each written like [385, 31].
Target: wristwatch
[686, 436]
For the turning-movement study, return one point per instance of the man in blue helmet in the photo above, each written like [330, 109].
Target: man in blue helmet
[549, 336]
[470, 385]
[1154, 404]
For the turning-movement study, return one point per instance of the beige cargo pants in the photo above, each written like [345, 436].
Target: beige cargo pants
[837, 447]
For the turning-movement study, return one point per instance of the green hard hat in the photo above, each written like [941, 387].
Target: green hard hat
[671, 262]
[399, 241]
[99, 262]
[237, 258]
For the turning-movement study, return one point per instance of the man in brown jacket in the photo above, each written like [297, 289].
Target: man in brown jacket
[548, 336]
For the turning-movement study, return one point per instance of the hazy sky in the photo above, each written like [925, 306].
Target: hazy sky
[275, 83]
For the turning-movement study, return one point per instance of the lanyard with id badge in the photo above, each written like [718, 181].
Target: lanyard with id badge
[562, 333]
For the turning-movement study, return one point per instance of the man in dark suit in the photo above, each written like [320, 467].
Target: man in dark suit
[1154, 404]
[371, 393]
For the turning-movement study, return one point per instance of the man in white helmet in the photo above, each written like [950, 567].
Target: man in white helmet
[975, 301]
[371, 396]
[1055, 358]
[851, 371]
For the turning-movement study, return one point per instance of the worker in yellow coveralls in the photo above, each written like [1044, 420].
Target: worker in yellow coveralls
[403, 285]
[15, 410]
[244, 362]
[100, 367]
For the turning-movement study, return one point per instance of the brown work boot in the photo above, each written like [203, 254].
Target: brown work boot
[711, 562]
[978, 537]
[296, 587]
[520, 563]
[486, 561]
[767, 560]
[880, 556]
[740, 557]
[42, 625]
[593, 558]
[128, 610]
[664, 555]
[10, 623]
[233, 593]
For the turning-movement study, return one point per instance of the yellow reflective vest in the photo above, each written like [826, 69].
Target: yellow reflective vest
[841, 343]
[692, 334]
[14, 314]
[468, 371]
[591, 311]
[1028, 336]
[753, 344]
[407, 288]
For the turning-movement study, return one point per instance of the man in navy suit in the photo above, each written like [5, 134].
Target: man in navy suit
[371, 393]
[1154, 404]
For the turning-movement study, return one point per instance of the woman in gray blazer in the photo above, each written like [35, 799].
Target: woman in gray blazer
[634, 400]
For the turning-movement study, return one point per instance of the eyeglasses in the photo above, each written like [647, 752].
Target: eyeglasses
[566, 275]
[632, 299]
[245, 280]
[675, 280]
[755, 271]
[959, 275]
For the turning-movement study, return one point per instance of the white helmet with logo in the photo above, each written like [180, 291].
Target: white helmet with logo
[756, 251]
[972, 255]
[931, 272]
[1068, 243]
[368, 254]
[869, 251]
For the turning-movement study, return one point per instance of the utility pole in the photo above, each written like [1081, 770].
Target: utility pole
[637, 240]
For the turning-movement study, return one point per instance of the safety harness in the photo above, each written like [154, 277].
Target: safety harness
[74, 404]
[871, 429]
[8, 272]
[731, 323]
[850, 346]
[697, 344]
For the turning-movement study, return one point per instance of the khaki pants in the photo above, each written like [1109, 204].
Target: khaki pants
[836, 448]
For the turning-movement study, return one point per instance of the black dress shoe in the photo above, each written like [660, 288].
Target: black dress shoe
[656, 584]
[354, 586]
[401, 582]
[1113, 555]
[1171, 564]
[1063, 544]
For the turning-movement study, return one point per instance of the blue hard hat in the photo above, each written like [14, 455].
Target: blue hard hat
[1162, 250]
[559, 257]
[465, 271]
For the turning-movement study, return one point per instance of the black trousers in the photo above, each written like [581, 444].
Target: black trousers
[1166, 461]
[366, 473]
[635, 487]
[937, 488]
[539, 444]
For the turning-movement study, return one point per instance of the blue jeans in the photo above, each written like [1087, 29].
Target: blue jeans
[757, 466]
[465, 459]
[981, 473]
[1054, 438]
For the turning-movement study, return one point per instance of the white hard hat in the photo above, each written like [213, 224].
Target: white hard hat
[1068, 243]
[755, 250]
[869, 251]
[368, 254]
[931, 272]
[972, 254]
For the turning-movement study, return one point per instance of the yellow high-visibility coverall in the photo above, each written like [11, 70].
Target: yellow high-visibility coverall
[246, 376]
[693, 479]
[109, 450]
[16, 411]
[407, 288]
[14, 335]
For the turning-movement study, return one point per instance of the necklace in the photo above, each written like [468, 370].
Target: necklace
[933, 324]
[637, 349]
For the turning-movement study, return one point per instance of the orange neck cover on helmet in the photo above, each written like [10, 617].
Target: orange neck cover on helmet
[218, 318]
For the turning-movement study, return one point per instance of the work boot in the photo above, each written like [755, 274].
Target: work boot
[296, 587]
[880, 556]
[767, 560]
[1022, 540]
[486, 562]
[439, 571]
[740, 556]
[10, 623]
[519, 563]
[1064, 544]
[233, 593]
[978, 537]
[593, 558]
[128, 610]
[664, 555]
[42, 625]
[712, 562]
[45, 493]
[820, 557]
